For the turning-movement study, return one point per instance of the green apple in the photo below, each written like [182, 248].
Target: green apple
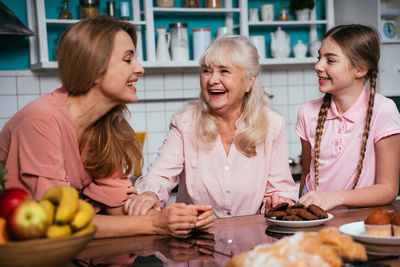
[27, 221]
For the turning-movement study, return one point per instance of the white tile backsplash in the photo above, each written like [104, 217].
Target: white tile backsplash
[173, 81]
[25, 99]
[153, 81]
[8, 86]
[28, 85]
[278, 77]
[49, 83]
[295, 77]
[8, 106]
[289, 87]
[191, 81]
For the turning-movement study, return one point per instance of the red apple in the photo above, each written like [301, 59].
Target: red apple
[27, 221]
[10, 199]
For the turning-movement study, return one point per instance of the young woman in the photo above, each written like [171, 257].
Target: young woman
[78, 135]
[228, 148]
[350, 138]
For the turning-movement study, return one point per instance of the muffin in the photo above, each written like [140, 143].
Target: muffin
[396, 225]
[379, 223]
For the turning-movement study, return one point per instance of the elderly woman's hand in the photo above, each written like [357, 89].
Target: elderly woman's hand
[176, 219]
[275, 199]
[141, 204]
[205, 218]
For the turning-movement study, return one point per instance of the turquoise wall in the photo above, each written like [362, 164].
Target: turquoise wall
[14, 50]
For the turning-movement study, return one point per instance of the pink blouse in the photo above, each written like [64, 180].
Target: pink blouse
[234, 185]
[40, 147]
[341, 140]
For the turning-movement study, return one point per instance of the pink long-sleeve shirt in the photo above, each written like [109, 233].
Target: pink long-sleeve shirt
[234, 185]
[341, 140]
[40, 147]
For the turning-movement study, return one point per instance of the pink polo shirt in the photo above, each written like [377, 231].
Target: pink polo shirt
[234, 185]
[40, 147]
[341, 140]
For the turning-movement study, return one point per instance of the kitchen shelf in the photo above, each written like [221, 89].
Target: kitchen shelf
[293, 23]
[73, 21]
[145, 17]
[178, 10]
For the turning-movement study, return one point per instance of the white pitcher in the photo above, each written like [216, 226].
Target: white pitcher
[280, 44]
[163, 42]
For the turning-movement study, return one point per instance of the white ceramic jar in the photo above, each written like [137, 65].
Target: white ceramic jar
[201, 40]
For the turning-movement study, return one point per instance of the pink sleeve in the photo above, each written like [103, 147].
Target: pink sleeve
[111, 192]
[301, 123]
[387, 121]
[162, 175]
[279, 179]
[40, 151]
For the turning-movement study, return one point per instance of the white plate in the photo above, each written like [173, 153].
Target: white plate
[300, 223]
[356, 230]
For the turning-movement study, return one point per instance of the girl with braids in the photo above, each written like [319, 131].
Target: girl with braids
[350, 138]
[78, 135]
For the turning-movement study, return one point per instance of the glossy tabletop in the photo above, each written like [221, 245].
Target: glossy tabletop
[228, 237]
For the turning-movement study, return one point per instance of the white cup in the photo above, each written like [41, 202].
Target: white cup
[253, 15]
[267, 12]
[201, 40]
[221, 31]
[259, 42]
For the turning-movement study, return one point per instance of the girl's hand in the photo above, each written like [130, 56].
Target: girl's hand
[274, 200]
[205, 217]
[326, 200]
[141, 204]
[176, 219]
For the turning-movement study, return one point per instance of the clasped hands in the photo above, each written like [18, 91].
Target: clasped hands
[176, 219]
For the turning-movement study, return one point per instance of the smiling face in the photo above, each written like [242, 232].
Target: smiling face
[224, 88]
[118, 83]
[336, 75]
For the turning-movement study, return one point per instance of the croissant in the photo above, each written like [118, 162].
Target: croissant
[326, 248]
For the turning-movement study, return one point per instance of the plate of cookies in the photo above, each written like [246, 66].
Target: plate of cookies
[297, 215]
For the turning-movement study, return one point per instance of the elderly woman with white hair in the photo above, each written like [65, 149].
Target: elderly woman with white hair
[228, 149]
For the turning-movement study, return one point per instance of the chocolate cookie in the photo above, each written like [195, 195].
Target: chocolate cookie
[306, 215]
[317, 211]
[292, 218]
[297, 206]
[281, 207]
[277, 213]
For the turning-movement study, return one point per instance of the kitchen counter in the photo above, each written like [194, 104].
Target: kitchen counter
[228, 237]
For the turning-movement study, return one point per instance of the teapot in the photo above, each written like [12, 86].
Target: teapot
[300, 50]
[163, 42]
[280, 44]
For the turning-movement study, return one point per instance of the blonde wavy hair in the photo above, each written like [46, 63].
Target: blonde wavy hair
[83, 54]
[361, 45]
[244, 55]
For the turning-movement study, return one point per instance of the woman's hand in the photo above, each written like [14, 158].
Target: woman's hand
[326, 200]
[274, 200]
[205, 218]
[176, 219]
[141, 204]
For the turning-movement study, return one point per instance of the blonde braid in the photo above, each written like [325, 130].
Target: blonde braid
[372, 81]
[318, 134]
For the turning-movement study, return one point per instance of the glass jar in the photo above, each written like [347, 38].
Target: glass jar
[89, 8]
[111, 8]
[65, 13]
[284, 14]
[213, 4]
[179, 41]
[191, 3]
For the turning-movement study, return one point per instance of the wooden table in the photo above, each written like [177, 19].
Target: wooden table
[228, 237]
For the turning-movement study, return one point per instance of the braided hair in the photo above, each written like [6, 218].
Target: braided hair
[361, 45]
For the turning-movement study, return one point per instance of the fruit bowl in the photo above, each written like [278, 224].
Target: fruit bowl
[44, 251]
